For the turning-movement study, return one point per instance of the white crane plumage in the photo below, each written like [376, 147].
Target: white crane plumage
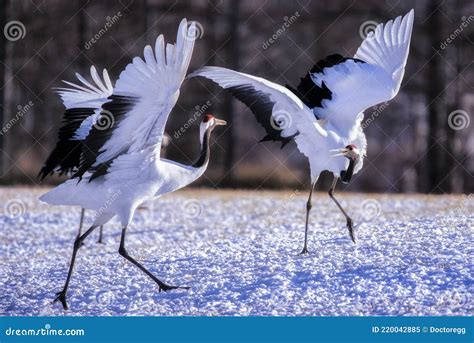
[83, 103]
[120, 165]
[324, 113]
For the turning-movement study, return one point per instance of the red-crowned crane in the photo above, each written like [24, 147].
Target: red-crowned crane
[324, 113]
[120, 166]
[83, 104]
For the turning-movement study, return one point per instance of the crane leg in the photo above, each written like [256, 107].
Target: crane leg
[80, 227]
[122, 251]
[100, 234]
[349, 219]
[308, 208]
[81, 222]
[61, 296]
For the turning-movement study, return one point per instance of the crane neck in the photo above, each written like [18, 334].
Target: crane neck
[346, 175]
[203, 158]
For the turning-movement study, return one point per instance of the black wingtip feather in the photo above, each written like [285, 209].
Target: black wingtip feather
[261, 106]
[100, 170]
[65, 157]
[118, 106]
[311, 94]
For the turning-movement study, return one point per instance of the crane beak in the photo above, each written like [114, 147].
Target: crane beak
[340, 152]
[220, 122]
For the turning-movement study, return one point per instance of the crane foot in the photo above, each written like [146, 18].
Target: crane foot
[304, 251]
[165, 288]
[350, 226]
[61, 296]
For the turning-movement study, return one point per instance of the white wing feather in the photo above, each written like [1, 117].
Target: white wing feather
[87, 94]
[309, 139]
[388, 47]
[155, 83]
[286, 102]
[357, 86]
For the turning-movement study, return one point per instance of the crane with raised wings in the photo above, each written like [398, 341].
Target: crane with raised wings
[323, 114]
[120, 165]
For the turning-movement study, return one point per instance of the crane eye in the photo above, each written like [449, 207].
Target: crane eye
[351, 147]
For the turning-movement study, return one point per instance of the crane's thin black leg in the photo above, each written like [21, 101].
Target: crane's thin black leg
[100, 234]
[61, 296]
[349, 220]
[162, 286]
[81, 222]
[308, 208]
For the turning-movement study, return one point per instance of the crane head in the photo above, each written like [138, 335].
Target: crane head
[210, 121]
[352, 153]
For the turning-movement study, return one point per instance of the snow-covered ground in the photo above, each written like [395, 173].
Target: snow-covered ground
[239, 253]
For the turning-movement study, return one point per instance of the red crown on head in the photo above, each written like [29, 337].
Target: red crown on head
[207, 117]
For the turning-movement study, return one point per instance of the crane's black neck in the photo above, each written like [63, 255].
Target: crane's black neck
[205, 150]
[346, 175]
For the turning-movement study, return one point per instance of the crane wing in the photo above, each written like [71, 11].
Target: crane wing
[83, 103]
[387, 47]
[136, 114]
[278, 110]
[348, 86]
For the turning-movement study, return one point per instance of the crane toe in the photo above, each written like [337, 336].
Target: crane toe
[304, 251]
[350, 226]
[61, 296]
[164, 287]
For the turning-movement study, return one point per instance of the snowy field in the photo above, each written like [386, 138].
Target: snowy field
[239, 253]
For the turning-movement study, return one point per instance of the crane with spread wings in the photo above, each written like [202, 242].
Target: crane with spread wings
[120, 165]
[323, 114]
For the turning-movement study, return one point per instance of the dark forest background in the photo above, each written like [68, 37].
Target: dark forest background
[422, 141]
